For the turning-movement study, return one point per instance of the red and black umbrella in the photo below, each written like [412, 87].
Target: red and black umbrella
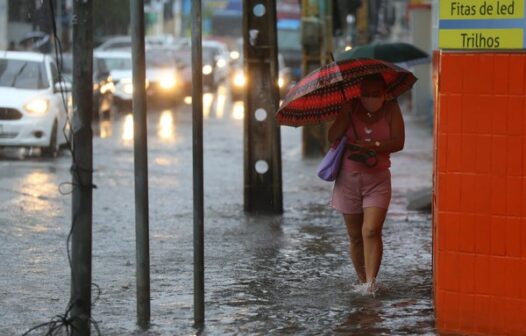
[318, 96]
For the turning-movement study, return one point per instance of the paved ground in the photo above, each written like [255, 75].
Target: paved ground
[271, 275]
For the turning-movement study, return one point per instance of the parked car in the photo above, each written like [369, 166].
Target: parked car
[163, 72]
[103, 86]
[32, 107]
[212, 78]
[119, 64]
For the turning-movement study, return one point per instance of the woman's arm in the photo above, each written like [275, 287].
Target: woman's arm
[397, 140]
[340, 125]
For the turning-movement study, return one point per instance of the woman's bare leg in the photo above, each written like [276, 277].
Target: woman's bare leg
[354, 230]
[373, 221]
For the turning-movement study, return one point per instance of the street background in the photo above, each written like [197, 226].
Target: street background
[265, 275]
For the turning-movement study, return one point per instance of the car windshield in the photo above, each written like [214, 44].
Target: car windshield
[160, 59]
[114, 63]
[22, 74]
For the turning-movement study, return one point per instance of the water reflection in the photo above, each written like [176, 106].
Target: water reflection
[208, 100]
[127, 129]
[221, 102]
[238, 112]
[105, 129]
[166, 126]
[39, 186]
[366, 319]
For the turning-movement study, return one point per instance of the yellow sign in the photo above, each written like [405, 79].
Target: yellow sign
[481, 9]
[481, 38]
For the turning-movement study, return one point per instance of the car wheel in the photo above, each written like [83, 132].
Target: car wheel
[52, 149]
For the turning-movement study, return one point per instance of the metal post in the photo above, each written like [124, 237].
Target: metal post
[198, 185]
[82, 206]
[140, 164]
[262, 174]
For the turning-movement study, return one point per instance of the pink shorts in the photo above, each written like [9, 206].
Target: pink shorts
[354, 191]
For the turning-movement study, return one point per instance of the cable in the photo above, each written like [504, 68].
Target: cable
[64, 322]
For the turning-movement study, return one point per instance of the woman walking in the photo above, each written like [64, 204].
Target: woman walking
[362, 191]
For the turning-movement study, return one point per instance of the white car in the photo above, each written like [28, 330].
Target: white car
[119, 64]
[32, 111]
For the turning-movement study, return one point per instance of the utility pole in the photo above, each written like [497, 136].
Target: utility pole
[262, 141]
[140, 150]
[4, 9]
[198, 167]
[314, 137]
[82, 170]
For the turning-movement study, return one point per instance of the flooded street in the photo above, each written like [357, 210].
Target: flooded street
[265, 275]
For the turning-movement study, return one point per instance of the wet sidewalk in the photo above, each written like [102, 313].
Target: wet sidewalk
[270, 275]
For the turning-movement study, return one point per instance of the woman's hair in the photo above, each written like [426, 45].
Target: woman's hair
[374, 78]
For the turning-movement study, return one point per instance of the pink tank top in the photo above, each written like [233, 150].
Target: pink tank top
[378, 131]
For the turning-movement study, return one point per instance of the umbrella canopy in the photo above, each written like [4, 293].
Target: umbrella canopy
[391, 52]
[318, 96]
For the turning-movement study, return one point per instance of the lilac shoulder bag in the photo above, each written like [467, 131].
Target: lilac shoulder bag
[330, 164]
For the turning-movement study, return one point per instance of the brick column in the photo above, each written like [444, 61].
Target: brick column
[480, 194]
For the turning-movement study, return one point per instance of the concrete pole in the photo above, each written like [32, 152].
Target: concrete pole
[4, 10]
[262, 139]
[198, 167]
[140, 164]
[82, 170]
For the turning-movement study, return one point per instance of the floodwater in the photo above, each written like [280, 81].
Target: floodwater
[265, 275]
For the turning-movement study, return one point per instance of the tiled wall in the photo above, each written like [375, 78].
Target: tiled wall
[480, 194]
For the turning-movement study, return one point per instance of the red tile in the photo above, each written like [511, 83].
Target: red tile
[451, 311]
[441, 192]
[471, 73]
[498, 236]
[522, 280]
[482, 197]
[501, 74]
[454, 152]
[469, 152]
[482, 270]
[441, 238]
[518, 319]
[499, 319]
[498, 155]
[470, 113]
[511, 275]
[524, 155]
[498, 105]
[517, 74]
[497, 272]
[486, 70]
[451, 73]
[467, 229]
[483, 154]
[523, 195]
[466, 273]
[498, 195]
[515, 115]
[483, 234]
[451, 113]
[482, 304]
[441, 161]
[513, 237]
[447, 272]
[468, 317]
[514, 155]
[484, 119]
[514, 200]
[469, 190]
[452, 196]
[523, 241]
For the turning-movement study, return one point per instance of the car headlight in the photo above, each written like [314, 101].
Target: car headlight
[107, 87]
[128, 88]
[281, 82]
[167, 82]
[234, 55]
[38, 106]
[239, 79]
[221, 63]
[207, 69]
